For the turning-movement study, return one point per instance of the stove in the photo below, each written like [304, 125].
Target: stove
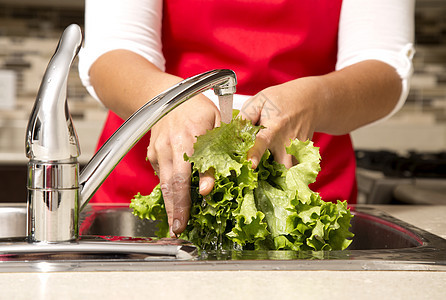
[386, 177]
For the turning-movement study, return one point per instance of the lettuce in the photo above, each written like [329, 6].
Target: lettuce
[269, 208]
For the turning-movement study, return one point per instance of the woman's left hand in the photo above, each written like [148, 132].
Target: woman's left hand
[287, 111]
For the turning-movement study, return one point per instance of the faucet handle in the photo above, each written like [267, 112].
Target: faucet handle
[50, 134]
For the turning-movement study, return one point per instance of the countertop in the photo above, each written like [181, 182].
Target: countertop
[282, 284]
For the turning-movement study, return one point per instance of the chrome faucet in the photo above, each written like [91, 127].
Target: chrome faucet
[56, 191]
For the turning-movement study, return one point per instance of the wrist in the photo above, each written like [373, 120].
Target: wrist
[311, 98]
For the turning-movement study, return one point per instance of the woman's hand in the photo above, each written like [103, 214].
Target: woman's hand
[287, 111]
[171, 137]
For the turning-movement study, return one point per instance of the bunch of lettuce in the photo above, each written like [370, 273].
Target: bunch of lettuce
[269, 208]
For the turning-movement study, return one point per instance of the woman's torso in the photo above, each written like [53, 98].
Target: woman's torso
[265, 43]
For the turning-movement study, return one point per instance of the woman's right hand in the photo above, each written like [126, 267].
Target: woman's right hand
[171, 137]
[120, 79]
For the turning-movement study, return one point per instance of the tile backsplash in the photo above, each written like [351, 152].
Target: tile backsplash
[421, 123]
[28, 38]
[428, 90]
[29, 35]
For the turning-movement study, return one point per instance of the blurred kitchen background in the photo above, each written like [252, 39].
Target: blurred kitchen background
[400, 160]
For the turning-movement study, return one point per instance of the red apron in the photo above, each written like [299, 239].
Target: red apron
[265, 43]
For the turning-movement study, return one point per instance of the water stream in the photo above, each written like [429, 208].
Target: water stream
[225, 103]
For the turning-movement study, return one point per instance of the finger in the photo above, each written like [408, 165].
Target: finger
[261, 144]
[217, 122]
[282, 157]
[294, 160]
[165, 174]
[207, 180]
[151, 156]
[181, 192]
[252, 108]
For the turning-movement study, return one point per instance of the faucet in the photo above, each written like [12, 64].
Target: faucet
[56, 191]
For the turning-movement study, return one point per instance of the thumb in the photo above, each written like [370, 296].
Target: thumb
[259, 148]
[206, 182]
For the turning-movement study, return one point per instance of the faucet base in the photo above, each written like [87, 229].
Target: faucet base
[53, 201]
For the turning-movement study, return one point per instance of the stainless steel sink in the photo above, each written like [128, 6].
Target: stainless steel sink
[17, 253]
[372, 232]
[13, 221]
[381, 242]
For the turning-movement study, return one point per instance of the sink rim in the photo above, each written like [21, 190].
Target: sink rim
[430, 255]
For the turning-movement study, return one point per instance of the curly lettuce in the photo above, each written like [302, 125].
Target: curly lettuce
[267, 208]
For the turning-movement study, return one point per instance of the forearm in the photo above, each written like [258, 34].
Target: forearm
[356, 96]
[124, 81]
[336, 103]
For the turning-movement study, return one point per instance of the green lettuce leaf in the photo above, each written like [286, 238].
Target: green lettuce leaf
[224, 148]
[270, 208]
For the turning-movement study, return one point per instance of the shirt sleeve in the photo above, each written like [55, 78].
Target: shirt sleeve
[380, 30]
[116, 24]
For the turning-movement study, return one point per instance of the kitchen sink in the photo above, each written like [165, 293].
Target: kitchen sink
[381, 242]
[371, 232]
[13, 220]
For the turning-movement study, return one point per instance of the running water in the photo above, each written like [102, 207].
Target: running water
[225, 103]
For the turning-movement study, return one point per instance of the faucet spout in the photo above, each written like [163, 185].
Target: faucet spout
[56, 191]
[223, 81]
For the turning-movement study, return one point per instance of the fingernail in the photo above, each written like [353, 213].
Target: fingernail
[203, 186]
[254, 162]
[172, 234]
[176, 225]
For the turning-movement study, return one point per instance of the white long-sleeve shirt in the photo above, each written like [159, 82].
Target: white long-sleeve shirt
[368, 29]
